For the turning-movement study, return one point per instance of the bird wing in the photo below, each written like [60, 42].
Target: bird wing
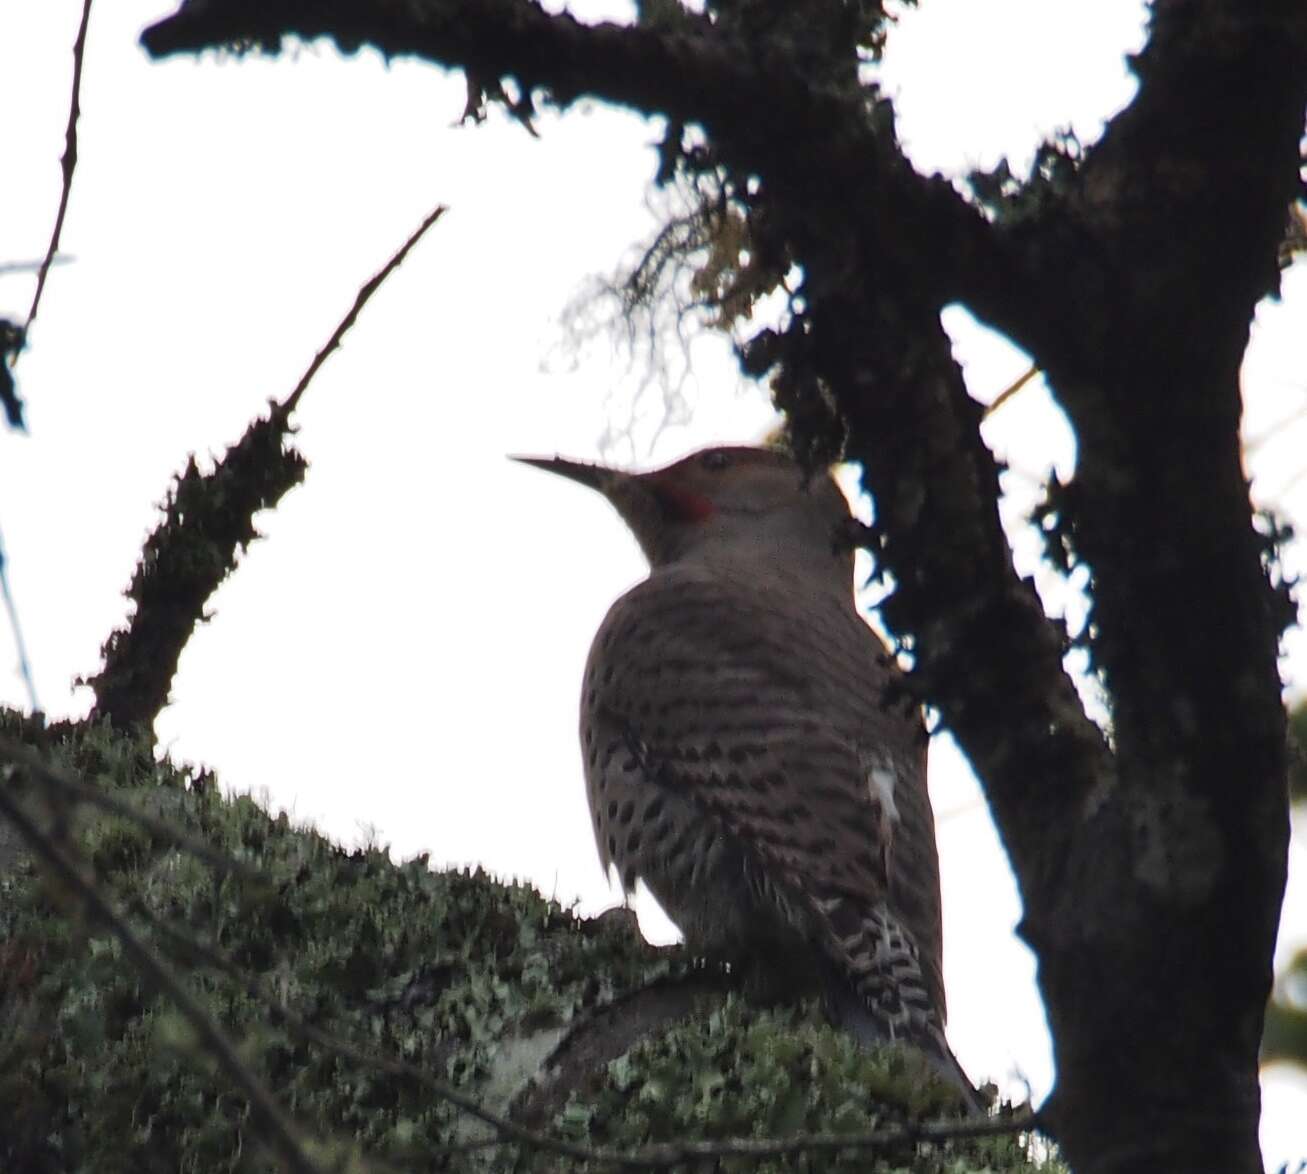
[786, 724]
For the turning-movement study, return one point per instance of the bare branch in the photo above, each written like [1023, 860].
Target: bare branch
[208, 521]
[758, 98]
[1011, 389]
[67, 164]
[365, 293]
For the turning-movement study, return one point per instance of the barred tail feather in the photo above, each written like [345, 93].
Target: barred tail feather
[849, 1011]
[875, 990]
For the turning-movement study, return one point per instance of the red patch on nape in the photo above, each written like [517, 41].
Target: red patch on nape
[683, 505]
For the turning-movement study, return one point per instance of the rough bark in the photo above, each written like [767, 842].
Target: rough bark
[1151, 866]
[208, 521]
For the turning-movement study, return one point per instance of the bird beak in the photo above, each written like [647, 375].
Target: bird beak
[635, 496]
[594, 476]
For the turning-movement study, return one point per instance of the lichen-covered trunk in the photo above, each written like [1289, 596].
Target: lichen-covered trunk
[1156, 946]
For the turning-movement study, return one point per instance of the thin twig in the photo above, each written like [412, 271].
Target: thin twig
[25, 757]
[67, 164]
[24, 664]
[263, 1106]
[652, 1157]
[365, 292]
[8, 267]
[1009, 391]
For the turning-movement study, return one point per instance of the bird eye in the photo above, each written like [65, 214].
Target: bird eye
[715, 459]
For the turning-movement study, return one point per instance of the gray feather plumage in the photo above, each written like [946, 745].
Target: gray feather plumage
[727, 734]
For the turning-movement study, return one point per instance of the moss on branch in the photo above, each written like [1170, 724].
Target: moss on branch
[453, 973]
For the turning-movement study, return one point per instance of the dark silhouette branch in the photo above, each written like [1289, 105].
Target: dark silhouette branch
[208, 521]
[67, 164]
[366, 290]
[693, 72]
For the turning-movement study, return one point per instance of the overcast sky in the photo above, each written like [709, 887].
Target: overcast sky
[403, 651]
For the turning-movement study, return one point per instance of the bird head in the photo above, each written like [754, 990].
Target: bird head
[721, 501]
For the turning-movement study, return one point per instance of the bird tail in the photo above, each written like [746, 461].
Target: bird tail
[875, 990]
[848, 1010]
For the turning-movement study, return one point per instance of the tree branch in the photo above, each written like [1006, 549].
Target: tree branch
[209, 519]
[693, 73]
[67, 164]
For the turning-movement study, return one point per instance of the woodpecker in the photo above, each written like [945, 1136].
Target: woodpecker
[750, 750]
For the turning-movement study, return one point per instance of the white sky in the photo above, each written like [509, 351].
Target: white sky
[404, 650]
